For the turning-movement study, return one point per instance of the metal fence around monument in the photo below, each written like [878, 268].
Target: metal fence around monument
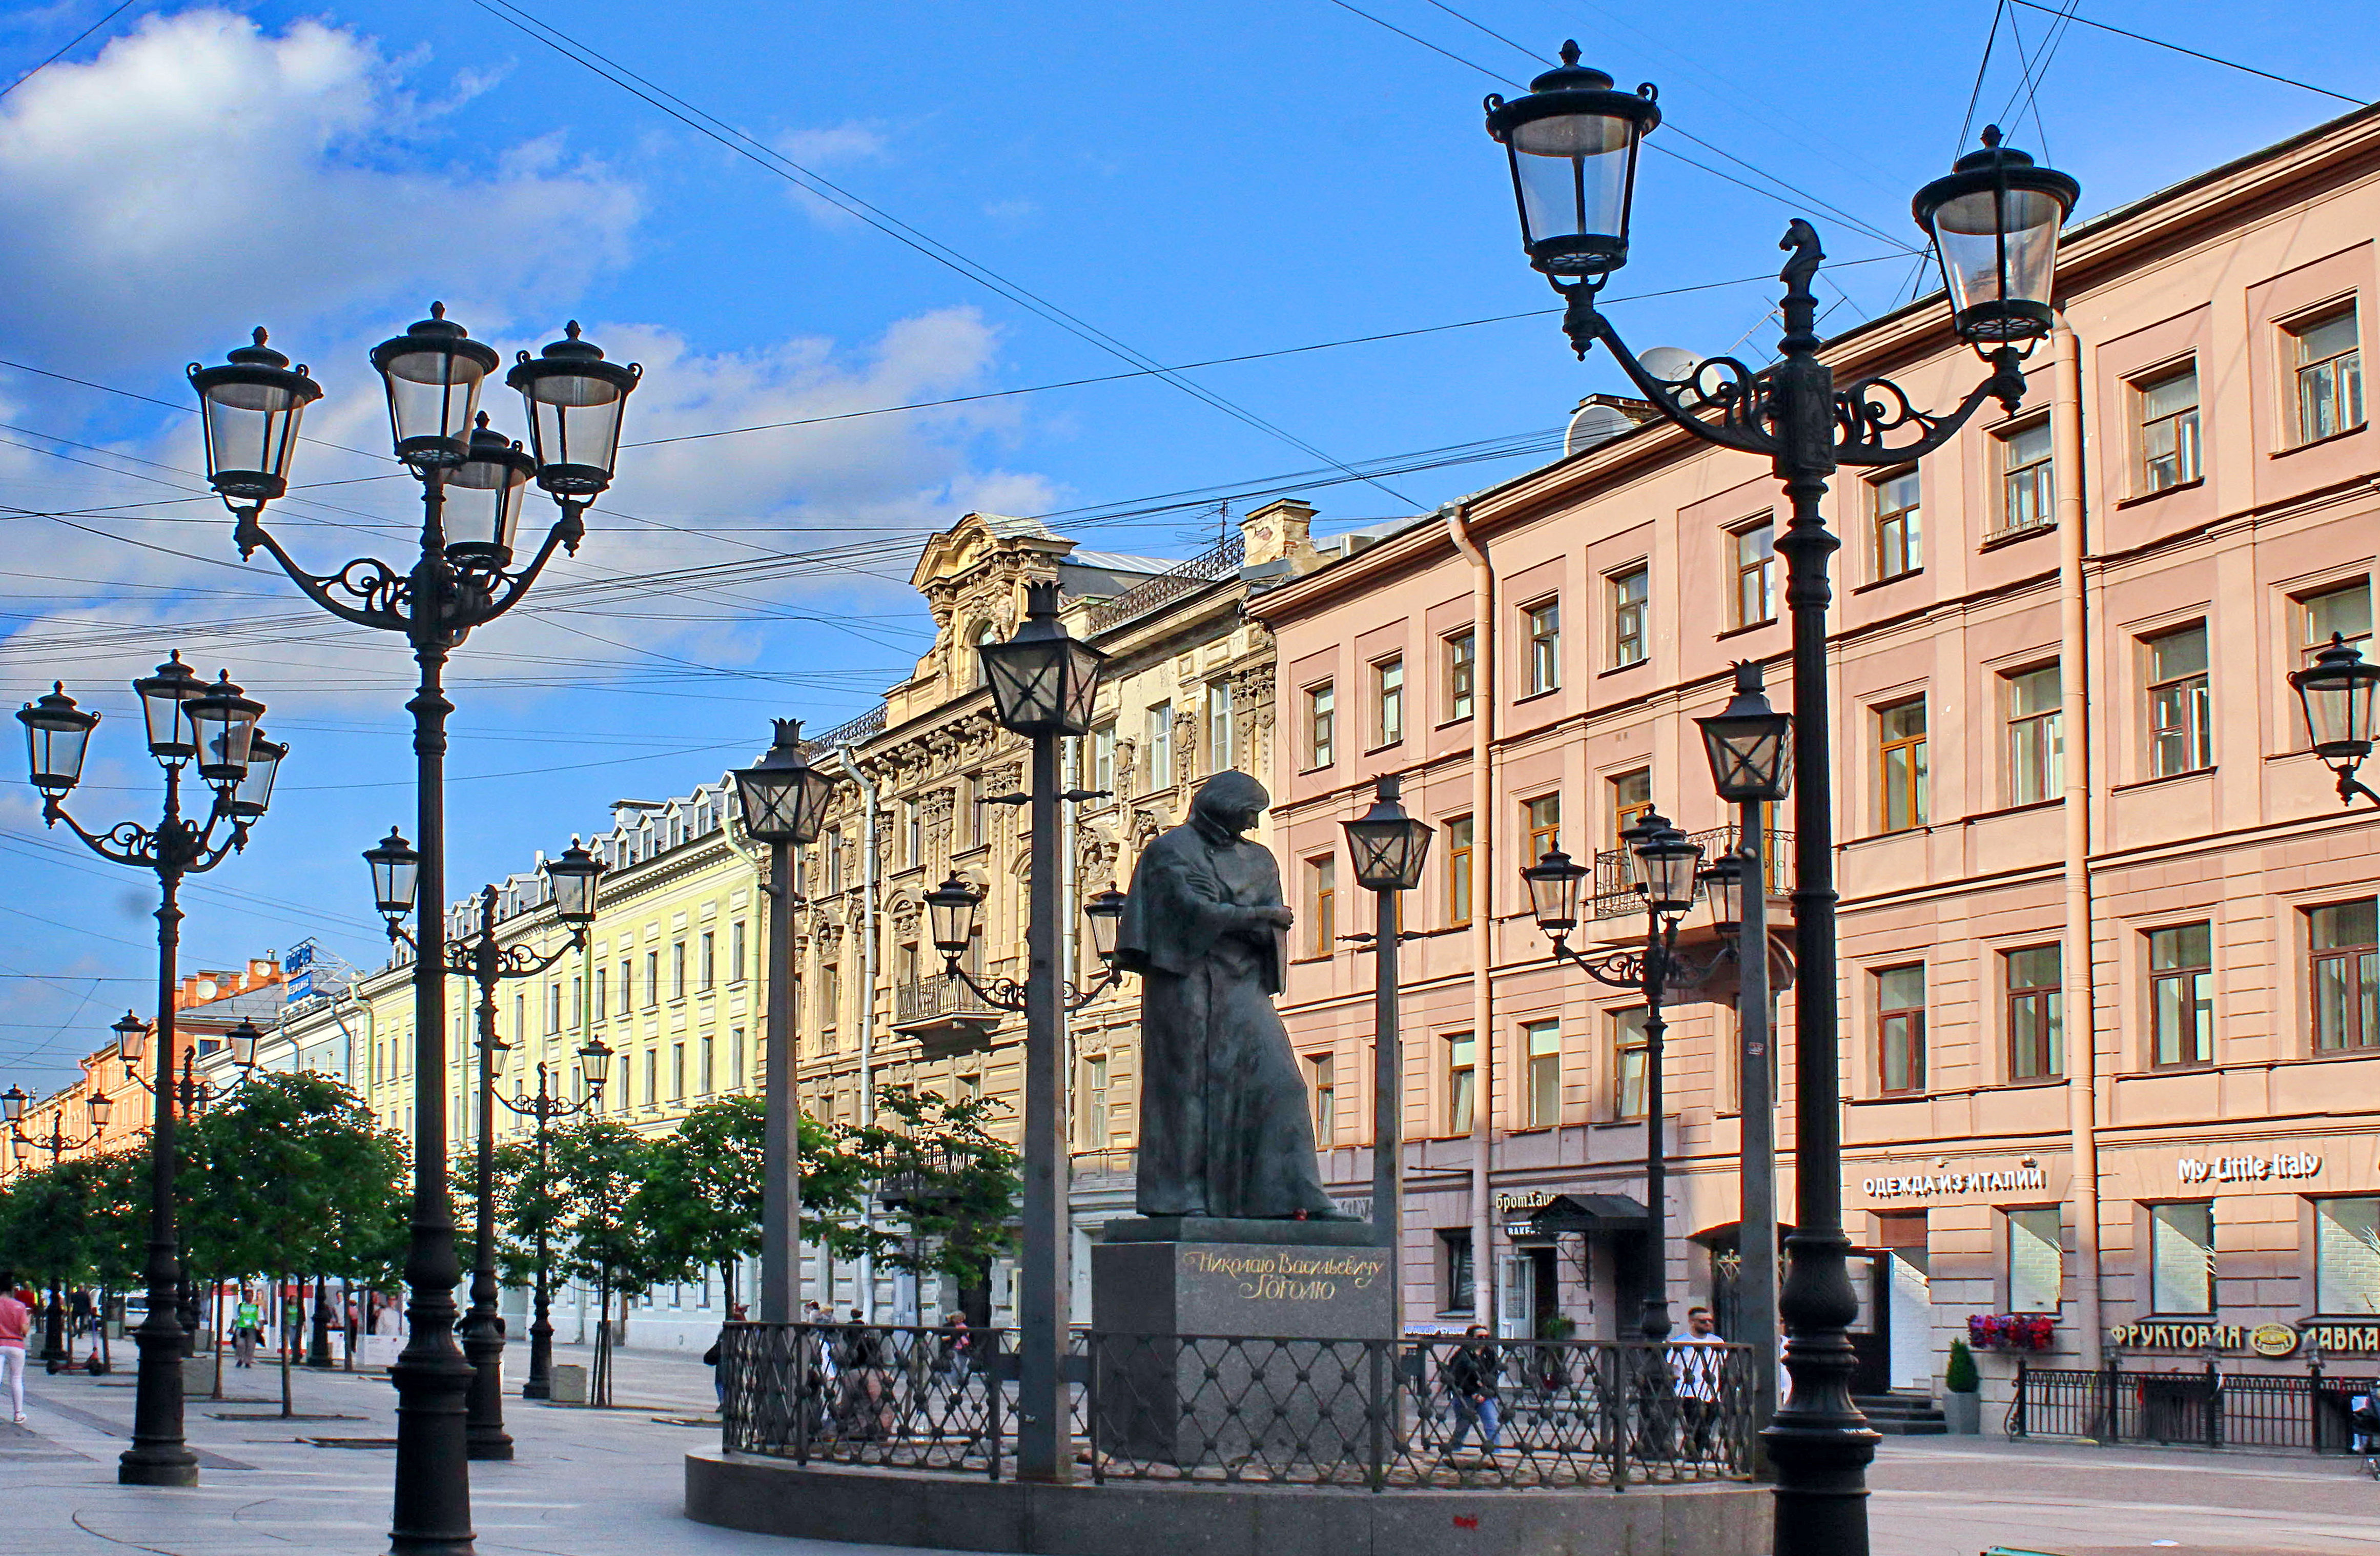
[1250, 1411]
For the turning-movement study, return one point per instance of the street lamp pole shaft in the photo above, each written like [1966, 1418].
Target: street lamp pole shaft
[1388, 1101]
[1755, 1235]
[539, 1385]
[1044, 1427]
[158, 1455]
[1654, 1321]
[781, 1192]
[484, 1334]
[433, 1377]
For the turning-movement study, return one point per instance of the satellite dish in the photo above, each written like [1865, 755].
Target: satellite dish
[1674, 363]
[1592, 424]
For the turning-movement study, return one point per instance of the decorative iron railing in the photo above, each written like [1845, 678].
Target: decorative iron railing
[1217, 562]
[1616, 894]
[867, 723]
[2204, 1406]
[923, 999]
[1268, 1411]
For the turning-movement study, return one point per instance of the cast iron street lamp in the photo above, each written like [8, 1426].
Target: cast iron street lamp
[98, 1104]
[187, 720]
[487, 961]
[1749, 745]
[545, 1106]
[1389, 848]
[2342, 714]
[1042, 682]
[784, 800]
[1572, 143]
[1668, 863]
[462, 577]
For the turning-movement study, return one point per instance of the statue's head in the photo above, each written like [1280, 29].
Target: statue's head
[1230, 801]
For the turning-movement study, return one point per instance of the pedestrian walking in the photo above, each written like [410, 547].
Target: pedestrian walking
[15, 1322]
[246, 1331]
[1697, 1358]
[955, 1351]
[715, 1359]
[1471, 1376]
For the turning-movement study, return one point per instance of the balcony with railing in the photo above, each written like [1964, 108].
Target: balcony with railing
[943, 1013]
[1617, 896]
[1217, 562]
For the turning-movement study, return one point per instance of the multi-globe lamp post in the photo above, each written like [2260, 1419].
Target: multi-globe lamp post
[462, 576]
[187, 722]
[544, 1105]
[98, 1106]
[784, 802]
[1572, 144]
[488, 962]
[1389, 848]
[1042, 681]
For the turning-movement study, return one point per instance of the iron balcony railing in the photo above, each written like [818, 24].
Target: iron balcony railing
[2204, 1406]
[1215, 564]
[1616, 892]
[867, 723]
[925, 999]
[1264, 1411]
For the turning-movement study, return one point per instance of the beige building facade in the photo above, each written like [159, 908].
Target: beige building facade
[2108, 972]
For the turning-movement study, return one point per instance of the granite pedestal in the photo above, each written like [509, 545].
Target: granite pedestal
[1231, 1341]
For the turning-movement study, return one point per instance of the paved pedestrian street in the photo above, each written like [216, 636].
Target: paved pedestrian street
[591, 1483]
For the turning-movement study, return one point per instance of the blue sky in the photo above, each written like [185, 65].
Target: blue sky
[1186, 182]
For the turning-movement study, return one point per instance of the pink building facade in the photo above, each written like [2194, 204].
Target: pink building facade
[2111, 995]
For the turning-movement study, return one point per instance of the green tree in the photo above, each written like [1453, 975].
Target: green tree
[46, 1225]
[598, 1166]
[952, 1182]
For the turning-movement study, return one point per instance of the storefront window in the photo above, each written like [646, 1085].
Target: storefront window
[2347, 1256]
[2036, 1273]
[2181, 1259]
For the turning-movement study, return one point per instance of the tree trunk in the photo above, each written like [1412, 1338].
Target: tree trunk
[281, 1333]
[216, 1319]
[599, 1372]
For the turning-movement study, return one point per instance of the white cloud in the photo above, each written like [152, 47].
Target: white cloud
[201, 172]
[850, 142]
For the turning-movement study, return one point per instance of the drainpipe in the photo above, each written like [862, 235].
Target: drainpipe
[2074, 670]
[867, 878]
[1484, 872]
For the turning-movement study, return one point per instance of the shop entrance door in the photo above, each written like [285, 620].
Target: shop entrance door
[1871, 1332]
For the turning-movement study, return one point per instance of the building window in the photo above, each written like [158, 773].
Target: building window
[710, 1066]
[705, 966]
[1630, 592]
[627, 987]
[735, 1057]
[552, 1008]
[2036, 735]
[829, 995]
[2329, 363]
[1321, 724]
[1222, 750]
[1095, 1103]
[2182, 736]
[652, 1079]
[1901, 1027]
[1631, 796]
[1462, 667]
[1103, 758]
[2037, 1264]
[913, 834]
[831, 847]
[652, 980]
[1454, 1270]
[2346, 1257]
[677, 1072]
[677, 969]
[1893, 502]
[1321, 896]
[1458, 869]
[2036, 1036]
[736, 948]
[2028, 479]
[2345, 612]
[1544, 621]
[603, 992]
[1900, 763]
[1462, 1052]
[1157, 741]
[2181, 1259]
[2344, 953]
[2181, 995]
[1544, 816]
[1542, 1042]
[1389, 702]
[2167, 406]
[1755, 573]
[1628, 1055]
[1321, 1074]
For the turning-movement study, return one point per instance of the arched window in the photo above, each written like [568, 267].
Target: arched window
[984, 633]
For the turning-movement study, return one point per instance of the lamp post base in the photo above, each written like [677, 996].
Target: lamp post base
[171, 1468]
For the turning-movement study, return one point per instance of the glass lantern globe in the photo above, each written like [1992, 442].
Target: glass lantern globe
[100, 1107]
[396, 874]
[2335, 694]
[254, 794]
[1042, 679]
[1104, 913]
[12, 1104]
[1722, 882]
[595, 1064]
[481, 512]
[1553, 883]
[1994, 220]
[783, 797]
[1749, 744]
[243, 1039]
[164, 696]
[224, 723]
[1667, 862]
[576, 875]
[131, 1038]
[949, 912]
[575, 401]
[1388, 845]
[433, 373]
[1572, 143]
[249, 407]
[57, 735]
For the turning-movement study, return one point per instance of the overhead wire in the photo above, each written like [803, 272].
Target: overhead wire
[2194, 53]
[70, 44]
